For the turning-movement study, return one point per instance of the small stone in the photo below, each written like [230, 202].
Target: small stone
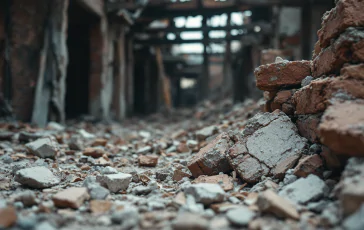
[206, 193]
[192, 144]
[162, 174]
[115, 182]
[305, 190]
[309, 165]
[94, 152]
[206, 132]
[99, 142]
[181, 172]
[71, 198]
[55, 126]
[183, 148]
[36, 177]
[144, 150]
[100, 206]
[269, 201]
[86, 134]
[128, 218]
[97, 192]
[191, 221]
[43, 147]
[306, 81]
[109, 170]
[8, 217]
[148, 160]
[141, 190]
[240, 216]
[28, 198]
[45, 226]
[223, 180]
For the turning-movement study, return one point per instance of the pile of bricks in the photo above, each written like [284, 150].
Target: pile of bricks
[324, 96]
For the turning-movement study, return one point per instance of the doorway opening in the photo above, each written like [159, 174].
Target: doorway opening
[79, 63]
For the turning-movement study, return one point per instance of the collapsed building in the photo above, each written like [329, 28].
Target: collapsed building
[63, 59]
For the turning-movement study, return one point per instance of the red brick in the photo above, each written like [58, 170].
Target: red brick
[347, 13]
[211, 159]
[275, 76]
[149, 160]
[353, 71]
[331, 59]
[314, 98]
[309, 165]
[359, 50]
[341, 128]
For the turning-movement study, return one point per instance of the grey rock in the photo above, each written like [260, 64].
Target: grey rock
[36, 177]
[133, 172]
[19, 165]
[43, 147]
[128, 218]
[355, 221]
[288, 179]
[109, 170]
[141, 190]
[115, 182]
[315, 149]
[45, 226]
[306, 81]
[144, 150]
[28, 198]
[330, 215]
[305, 190]
[162, 174]
[190, 221]
[97, 192]
[27, 222]
[240, 216]
[6, 159]
[156, 205]
[318, 206]
[206, 193]
[206, 132]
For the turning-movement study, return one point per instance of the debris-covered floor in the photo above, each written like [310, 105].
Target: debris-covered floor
[154, 174]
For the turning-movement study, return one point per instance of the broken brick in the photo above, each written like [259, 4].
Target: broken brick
[353, 71]
[211, 160]
[100, 206]
[94, 152]
[71, 198]
[341, 128]
[7, 217]
[347, 13]
[275, 76]
[331, 59]
[148, 160]
[223, 180]
[309, 165]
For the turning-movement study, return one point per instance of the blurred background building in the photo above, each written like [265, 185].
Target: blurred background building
[116, 58]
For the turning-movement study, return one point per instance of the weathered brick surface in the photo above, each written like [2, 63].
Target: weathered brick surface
[347, 13]
[275, 76]
[341, 128]
[211, 160]
[315, 97]
[309, 165]
[353, 71]
[331, 59]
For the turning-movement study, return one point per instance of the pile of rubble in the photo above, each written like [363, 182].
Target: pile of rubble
[297, 165]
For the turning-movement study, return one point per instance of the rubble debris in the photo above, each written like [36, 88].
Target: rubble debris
[271, 145]
[309, 165]
[70, 198]
[43, 147]
[223, 180]
[196, 222]
[115, 182]
[148, 160]
[274, 76]
[305, 190]
[206, 132]
[346, 14]
[341, 128]
[8, 217]
[36, 177]
[98, 207]
[269, 201]
[211, 160]
[206, 193]
[240, 216]
[94, 152]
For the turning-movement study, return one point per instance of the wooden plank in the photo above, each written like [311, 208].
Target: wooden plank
[164, 81]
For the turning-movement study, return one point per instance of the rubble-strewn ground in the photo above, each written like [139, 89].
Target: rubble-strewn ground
[141, 175]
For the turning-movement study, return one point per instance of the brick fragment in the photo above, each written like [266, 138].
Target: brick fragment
[94, 152]
[148, 160]
[309, 165]
[341, 128]
[347, 13]
[308, 127]
[331, 59]
[225, 181]
[277, 75]
[71, 198]
[211, 160]
[353, 72]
